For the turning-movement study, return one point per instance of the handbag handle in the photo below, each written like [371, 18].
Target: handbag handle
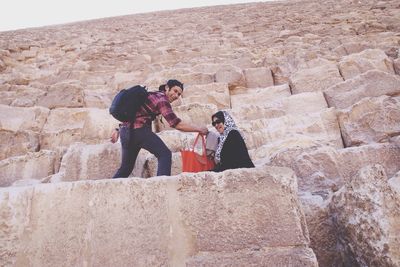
[204, 155]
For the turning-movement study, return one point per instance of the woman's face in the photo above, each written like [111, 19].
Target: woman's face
[218, 124]
[173, 93]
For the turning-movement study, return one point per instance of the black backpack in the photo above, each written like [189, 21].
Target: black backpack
[127, 102]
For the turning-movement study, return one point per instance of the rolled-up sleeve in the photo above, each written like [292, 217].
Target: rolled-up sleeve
[166, 111]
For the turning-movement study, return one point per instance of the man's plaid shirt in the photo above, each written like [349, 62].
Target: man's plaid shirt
[157, 103]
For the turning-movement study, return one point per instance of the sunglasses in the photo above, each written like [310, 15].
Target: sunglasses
[216, 122]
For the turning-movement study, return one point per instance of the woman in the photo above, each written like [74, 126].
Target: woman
[231, 152]
[137, 134]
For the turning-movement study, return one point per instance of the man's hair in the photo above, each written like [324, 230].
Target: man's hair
[171, 83]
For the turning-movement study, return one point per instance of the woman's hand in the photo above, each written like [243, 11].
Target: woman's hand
[114, 136]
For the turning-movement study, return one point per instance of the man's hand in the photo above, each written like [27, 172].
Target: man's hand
[203, 130]
[114, 136]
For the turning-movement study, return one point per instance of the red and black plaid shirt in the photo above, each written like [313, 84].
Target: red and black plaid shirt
[157, 103]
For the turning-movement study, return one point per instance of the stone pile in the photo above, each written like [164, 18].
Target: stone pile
[313, 85]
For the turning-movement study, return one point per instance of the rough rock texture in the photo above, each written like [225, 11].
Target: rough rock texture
[193, 219]
[367, 213]
[312, 85]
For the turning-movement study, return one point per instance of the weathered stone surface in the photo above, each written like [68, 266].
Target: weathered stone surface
[299, 104]
[369, 84]
[65, 126]
[367, 212]
[231, 75]
[22, 119]
[260, 96]
[320, 126]
[36, 165]
[76, 223]
[396, 66]
[64, 94]
[17, 143]
[313, 79]
[258, 77]
[195, 114]
[370, 120]
[370, 59]
[93, 162]
[213, 93]
[324, 169]
[323, 239]
[299, 42]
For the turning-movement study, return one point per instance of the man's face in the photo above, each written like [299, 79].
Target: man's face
[173, 93]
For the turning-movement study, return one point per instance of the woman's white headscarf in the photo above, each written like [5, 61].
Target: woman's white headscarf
[229, 125]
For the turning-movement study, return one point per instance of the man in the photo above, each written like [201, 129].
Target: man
[138, 134]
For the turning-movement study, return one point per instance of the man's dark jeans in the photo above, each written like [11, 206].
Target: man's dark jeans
[132, 140]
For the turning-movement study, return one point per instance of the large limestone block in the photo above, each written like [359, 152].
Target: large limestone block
[213, 93]
[17, 143]
[152, 164]
[369, 84]
[321, 126]
[21, 119]
[231, 75]
[194, 113]
[23, 96]
[260, 96]
[64, 94]
[370, 120]
[370, 59]
[34, 165]
[323, 238]
[65, 126]
[396, 66]
[276, 153]
[317, 78]
[354, 158]
[299, 104]
[258, 77]
[351, 47]
[93, 162]
[252, 257]
[325, 169]
[367, 212]
[171, 221]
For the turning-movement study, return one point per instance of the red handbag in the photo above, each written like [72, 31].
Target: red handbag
[194, 162]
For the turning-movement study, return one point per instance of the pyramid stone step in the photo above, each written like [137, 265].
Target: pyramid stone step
[194, 113]
[370, 59]
[299, 104]
[123, 221]
[322, 126]
[34, 165]
[260, 96]
[66, 126]
[17, 143]
[258, 77]
[372, 83]
[326, 168]
[213, 93]
[23, 118]
[370, 120]
[316, 78]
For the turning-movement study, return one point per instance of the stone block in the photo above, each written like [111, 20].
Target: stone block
[23, 119]
[369, 84]
[318, 78]
[17, 143]
[213, 93]
[370, 59]
[258, 77]
[34, 165]
[170, 221]
[63, 94]
[370, 120]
